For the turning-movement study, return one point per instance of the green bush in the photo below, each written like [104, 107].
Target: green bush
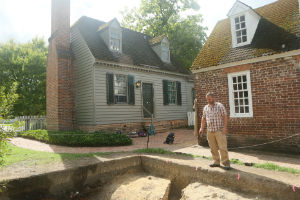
[78, 138]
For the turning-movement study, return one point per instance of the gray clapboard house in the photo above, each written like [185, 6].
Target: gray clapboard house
[122, 77]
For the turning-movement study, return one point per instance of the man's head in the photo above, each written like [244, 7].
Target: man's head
[210, 97]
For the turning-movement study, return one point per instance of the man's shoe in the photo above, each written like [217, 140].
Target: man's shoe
[214, 165]
[227, 168]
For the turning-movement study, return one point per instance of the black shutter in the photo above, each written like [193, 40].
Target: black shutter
[110, 88]
[131, 96]
[178, 89]
[165, 92]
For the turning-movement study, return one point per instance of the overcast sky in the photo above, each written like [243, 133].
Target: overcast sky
[22, 20]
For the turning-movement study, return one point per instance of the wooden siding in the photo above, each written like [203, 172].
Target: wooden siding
[84, 82]
[109, 114]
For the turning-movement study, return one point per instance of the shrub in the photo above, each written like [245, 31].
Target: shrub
[78, 138]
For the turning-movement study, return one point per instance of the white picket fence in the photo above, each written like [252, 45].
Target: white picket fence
[32, 122]
[191, 118]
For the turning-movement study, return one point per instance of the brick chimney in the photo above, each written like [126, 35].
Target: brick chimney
[60, 106]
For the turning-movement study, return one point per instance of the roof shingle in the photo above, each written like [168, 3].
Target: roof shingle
[136, 49]
[278, 31]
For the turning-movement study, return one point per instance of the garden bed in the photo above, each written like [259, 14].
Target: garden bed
[77, 138]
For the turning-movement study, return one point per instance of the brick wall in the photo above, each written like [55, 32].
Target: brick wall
[60, 97]
[275, 88]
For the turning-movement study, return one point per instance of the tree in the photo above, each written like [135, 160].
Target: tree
[7, 99]
[165, 17]
[25, 64]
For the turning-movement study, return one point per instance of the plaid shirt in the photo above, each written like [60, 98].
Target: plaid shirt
[214, 116]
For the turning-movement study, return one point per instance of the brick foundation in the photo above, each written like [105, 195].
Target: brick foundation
[160, 126]
[275, 88]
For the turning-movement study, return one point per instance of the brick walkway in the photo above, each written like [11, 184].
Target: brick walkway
[185, 142]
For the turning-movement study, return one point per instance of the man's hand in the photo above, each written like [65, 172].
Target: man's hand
[224, 131]
[201, 131]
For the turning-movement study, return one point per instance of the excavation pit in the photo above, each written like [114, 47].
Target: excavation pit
[148, 177]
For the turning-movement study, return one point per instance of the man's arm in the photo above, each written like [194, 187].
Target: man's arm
[203, 121]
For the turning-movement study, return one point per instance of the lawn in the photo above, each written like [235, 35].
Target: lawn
[30, 157]
[17, 155]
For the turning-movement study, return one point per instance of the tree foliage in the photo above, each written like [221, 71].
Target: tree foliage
[7, 99]
[169, 17]
[25, 65]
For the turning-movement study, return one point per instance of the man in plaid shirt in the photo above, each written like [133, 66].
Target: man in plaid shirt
[215, 116]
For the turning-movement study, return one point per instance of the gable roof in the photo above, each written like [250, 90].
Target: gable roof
[135, 47]
[156, 40]
[279, 27]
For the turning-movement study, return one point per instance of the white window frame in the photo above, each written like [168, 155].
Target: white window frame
[115, 87]
[115, 36]
[231, 94]
[240, 29]
[166, 49]
[173, 91]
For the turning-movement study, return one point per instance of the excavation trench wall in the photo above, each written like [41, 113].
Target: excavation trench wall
[77, 179]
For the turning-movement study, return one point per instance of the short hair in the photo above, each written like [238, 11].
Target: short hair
[210, 94]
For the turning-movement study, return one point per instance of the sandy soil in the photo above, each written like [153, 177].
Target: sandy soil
[199, 191]
[134, 187]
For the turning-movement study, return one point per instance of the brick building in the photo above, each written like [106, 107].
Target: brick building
[251, 61]
[104, 76]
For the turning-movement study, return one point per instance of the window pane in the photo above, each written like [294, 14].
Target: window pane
[244, 38]
[247, 109]
[236, 102]
[120, 88]
[244, 78]
[244, 32]
[243, 25]
[242, 18]
[237, 20]
[235, 86]
[240, 87]
[172, 92]
[246, 102]
[236, 109]
[236, 95]
[242, 109]
[239, 40]
[234, 79]
[246, 93]
[238, 33]
[237, 27]
[245, 86]
[241, 102]
[241, 95]
[239, 79]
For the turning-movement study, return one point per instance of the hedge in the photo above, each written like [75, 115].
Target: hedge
[77, 138]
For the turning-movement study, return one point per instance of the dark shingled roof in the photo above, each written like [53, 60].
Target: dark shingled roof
[280, 24]
[135, 47]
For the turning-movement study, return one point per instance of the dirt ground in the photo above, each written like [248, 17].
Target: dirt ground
[134, 187]
[199, 191]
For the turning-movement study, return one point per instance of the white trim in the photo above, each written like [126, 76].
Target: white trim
[249, 61]
[144, 68]
[231, 96]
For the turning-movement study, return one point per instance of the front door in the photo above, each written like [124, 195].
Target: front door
[148, 107]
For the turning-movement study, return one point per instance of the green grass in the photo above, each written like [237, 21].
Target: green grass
[274, 167]
[17, 155]
[268, 166]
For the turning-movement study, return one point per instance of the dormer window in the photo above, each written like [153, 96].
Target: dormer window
[165, 51]
[244, 21]
[115, 39]
[240, 29]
